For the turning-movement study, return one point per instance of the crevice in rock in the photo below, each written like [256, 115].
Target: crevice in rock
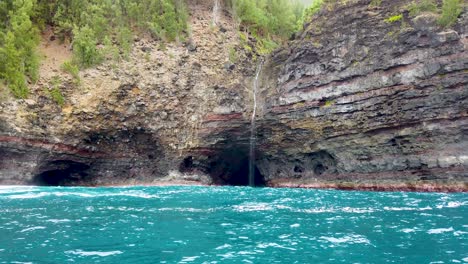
[231, 167]
[61, 173]
[187, 165]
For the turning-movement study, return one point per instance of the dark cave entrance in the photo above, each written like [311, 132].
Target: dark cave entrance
[61, 173]
[231, 167]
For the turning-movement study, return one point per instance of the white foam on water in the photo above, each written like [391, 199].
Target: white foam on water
[227, 255]
[94, 253]
[439, 230]
[17, 193]
[357, 210]
[274, 245]
[409, 230]
[181, 209]
[248, 207]
[459, 233]
[386, 208]
[223, 247]
[56, 221]
[465, 259]
[351, 239]
[32, 229]
[31, 195]
[6, 189]
[451, 205]
[189, 259]
[318, 210]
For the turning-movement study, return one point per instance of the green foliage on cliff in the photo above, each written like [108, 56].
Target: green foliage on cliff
[112, 23]
[54, 91]
[94, 27]
[394, 18]
[270, 21]
[415, 8]
[18, 41]
[449, 12]
[451, 9]
[312, 10]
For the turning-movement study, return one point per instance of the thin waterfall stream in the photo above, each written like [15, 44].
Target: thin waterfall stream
[215, 12]
[253, 135]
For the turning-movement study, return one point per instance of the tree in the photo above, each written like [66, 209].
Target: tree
[84, 47]
[19, 47]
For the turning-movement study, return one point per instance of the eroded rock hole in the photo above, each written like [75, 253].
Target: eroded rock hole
[319, 169]
[231, 167]
[61, 173]
[298, 169]
[186, 165]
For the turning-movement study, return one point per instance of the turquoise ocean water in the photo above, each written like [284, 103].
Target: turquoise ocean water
[230, 225]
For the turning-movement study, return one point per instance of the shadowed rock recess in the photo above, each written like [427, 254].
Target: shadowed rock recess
[353, 102]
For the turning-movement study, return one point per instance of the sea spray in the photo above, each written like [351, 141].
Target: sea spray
[253, 136]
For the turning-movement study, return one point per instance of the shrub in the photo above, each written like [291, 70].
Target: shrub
[314, 8]
[375, 3]
[84, 47]
[269, 21]
[72, 69]
[55, 92]
[124, 38]
[18, 41]
[394, 19]
[417, 8]
[233, 55]
[451, 9]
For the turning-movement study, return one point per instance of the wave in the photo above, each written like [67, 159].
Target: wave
[350, 239]
[94, 253]
[440, 230]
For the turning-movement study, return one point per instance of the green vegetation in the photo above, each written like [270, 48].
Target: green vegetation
[73, 70]
[97, 29]
[329, 103]
[449, 12]
[417, 8]
[18, 41]
[55, 92]
[233, 55]
[312, 10]
[394, 19]
[270, 22]
[375, 3]
[451, 9]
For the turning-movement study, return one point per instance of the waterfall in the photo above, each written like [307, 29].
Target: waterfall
[215, 12]
[253, 136]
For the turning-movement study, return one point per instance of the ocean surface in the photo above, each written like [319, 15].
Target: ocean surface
[230, 225]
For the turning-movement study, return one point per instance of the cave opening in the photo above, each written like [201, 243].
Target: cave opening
[231, 167]
[61, 173]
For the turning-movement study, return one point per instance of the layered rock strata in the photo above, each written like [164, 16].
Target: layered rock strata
[360, 101]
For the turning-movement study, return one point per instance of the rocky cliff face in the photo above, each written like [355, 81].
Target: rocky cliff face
[135, 121]
[353, 101]
[364, 101]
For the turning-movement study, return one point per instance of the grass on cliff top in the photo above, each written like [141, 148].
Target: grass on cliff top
[270, 22]
[449, 11]
[86, 24]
